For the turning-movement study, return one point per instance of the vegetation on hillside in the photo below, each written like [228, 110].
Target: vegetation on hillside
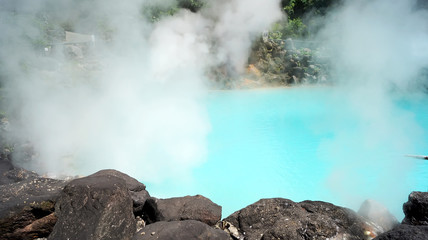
[48, 26]
[153, 11]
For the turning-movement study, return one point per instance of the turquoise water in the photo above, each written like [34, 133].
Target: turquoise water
[313, 143]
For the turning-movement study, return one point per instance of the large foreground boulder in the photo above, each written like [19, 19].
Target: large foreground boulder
[284, 219]
[27, 206]
[180, 230]
[416, 209]
[136, 189]
[94, 208]
[196, 207]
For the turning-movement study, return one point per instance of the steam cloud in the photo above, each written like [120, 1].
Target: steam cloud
[378, 49]
[143, 112]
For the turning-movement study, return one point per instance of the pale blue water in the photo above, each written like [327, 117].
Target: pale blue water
[314, 143]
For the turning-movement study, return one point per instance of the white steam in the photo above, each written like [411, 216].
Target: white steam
[377, 48]
[142, 111]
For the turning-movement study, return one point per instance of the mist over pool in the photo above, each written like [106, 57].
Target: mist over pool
[307, 143]
[148, 107]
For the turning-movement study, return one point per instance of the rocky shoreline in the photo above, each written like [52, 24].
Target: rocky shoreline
[112, 205]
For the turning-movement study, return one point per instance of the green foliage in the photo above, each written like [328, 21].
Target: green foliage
[276, 31]
[295, 26]
[156, 12]
[192, 5]
[276, 35]
[294, 8]
[297, 8]
[295, 29]
[288, 28]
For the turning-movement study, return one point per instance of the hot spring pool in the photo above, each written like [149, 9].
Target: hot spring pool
[311, 143]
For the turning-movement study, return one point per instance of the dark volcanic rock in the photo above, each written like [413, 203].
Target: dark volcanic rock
[415, 222]
[95, 207]
[16, 175]
[11, 174]
[25, 205]
[405, 232]
[284, 219]
[136, 189]
[378, 214]
[180, 230]
[416, 209]
[131, 183]
[196, 207]
[39, 228]
[5, 166]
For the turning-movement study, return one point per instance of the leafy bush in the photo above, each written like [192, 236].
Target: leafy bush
[297, 8]
[154, 12]
[295, 28]
[192, 5]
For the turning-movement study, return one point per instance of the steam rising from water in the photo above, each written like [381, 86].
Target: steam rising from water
[378, 48]
[143, 112]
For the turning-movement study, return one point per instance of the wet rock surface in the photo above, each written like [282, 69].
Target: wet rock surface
[131, 183]
[112, 205]
[196, 207]
[188, 229]
[136, 189]
[415, 223]
[27, 204]
[95, 207]
[284, 219]
[416, 209]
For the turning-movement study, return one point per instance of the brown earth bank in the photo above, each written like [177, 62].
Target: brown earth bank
[112, 205]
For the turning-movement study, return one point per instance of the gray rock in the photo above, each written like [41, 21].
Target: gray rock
[279, 218]
[196, 207]
[138, 201]
[298, 72]
[95, 207]
[14, 175]
[8, 172]
[405, 232]
[296, 80]
[416, 209]
[378, 214]
[5, 167]
[131, 183]
[180, 230]
[136, 189]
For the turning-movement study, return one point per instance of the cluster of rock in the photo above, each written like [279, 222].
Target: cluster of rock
[112, 205]
[275, 63]
[415, 223]
[282, 63]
